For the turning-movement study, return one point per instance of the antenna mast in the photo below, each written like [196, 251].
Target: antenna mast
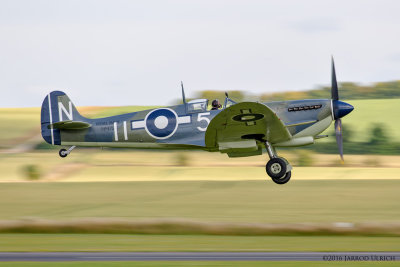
[183, 94]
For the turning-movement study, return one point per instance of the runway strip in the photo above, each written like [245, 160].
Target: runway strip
[199, 256]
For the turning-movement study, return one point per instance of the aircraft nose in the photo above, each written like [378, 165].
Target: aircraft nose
[341, 109]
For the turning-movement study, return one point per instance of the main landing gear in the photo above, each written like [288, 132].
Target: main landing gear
[64, 152]
[279, 169]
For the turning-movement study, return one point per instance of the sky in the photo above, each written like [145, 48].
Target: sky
[114, 53]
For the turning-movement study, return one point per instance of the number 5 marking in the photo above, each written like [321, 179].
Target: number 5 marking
[201, 118]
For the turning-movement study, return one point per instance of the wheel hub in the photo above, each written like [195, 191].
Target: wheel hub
[276, 168]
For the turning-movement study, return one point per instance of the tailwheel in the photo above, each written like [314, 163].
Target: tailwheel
[284, 179]
[63, 153]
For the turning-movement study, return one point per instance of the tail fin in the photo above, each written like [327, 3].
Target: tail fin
[56, 107]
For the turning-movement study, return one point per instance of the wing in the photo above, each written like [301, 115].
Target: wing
[239, 129]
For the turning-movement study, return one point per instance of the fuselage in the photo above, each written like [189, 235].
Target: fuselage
[176, 127]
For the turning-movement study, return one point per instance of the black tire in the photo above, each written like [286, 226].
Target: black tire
[276, 168]
[62, 153]
[284, 179]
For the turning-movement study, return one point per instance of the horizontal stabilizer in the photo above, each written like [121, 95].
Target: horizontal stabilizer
[70, 125]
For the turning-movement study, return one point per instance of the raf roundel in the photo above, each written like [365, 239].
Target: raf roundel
[161, 123]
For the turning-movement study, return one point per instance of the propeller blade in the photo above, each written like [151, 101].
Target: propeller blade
[334, 88]
[339, 137]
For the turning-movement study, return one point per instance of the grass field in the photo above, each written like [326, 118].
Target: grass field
[310, 201]
[366, 113]
[17, 123]
[232, 199]
[104, 242]
[86, 165]
[204, 263]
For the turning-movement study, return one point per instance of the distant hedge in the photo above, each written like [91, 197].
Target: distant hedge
[347, 90]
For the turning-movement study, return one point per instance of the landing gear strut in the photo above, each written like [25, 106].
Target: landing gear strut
[64, 152]
[279, 169]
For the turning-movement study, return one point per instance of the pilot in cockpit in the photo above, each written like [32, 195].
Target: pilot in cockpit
[215, 105]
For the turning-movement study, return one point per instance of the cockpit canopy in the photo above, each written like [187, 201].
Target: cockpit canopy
[197, 105]
[201, 105]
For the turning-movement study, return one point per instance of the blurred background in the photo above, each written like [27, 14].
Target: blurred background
[124, 56]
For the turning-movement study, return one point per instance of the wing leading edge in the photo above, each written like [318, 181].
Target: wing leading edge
[239, 130]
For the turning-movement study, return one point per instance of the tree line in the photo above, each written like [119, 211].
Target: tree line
[348, 91]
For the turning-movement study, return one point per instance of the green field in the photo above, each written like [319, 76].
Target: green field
[108, 242]
[16, 124]
[201, 263]
[219, 201]
[86, 165]
[227, 201]
[310, 201]
[366, 113]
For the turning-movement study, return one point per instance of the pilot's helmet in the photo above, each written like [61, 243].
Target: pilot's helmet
[215, 103]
